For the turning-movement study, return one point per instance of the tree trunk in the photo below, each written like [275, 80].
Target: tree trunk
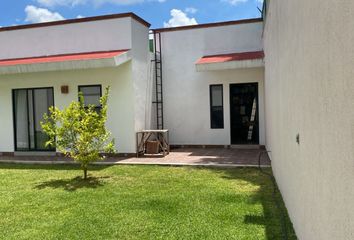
[85, 173]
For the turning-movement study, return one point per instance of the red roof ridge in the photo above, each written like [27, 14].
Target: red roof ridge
[228, 57]
[62, 57]
[227, 54]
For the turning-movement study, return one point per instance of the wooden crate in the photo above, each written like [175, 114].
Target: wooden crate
[152, 147]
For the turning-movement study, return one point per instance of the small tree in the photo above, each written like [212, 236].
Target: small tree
[79, 131]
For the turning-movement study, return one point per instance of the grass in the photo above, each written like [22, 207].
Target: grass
[136, 202]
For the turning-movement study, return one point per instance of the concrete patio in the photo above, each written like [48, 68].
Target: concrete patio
[217, 157]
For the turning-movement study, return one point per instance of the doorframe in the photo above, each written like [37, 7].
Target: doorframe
[257, 113]
[28, 130]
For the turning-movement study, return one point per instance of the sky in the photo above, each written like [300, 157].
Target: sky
[160, 13]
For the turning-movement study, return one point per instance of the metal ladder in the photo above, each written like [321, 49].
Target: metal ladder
[158, 81]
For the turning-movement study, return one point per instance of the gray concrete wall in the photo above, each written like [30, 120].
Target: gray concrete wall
[309, 89]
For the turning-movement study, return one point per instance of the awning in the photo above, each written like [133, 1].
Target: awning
[230, 61]
[65, 62]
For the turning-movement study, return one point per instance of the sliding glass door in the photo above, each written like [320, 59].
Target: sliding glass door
[29, 106]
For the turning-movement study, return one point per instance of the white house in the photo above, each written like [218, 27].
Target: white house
[212, 75]
[48, 63]
[213, 78]
[284, 81]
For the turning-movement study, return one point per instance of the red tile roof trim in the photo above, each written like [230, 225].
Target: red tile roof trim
[231, 57]
[62, 58]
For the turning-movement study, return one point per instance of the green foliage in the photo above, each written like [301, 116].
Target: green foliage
[79, 131]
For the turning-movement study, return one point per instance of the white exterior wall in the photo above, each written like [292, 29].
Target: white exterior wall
[186, 91]
[141, 75]
[102, 35]
[310, 91]
[121, 118]
[129, 103]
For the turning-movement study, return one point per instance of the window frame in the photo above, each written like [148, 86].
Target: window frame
[14, 119]
[211, 105]
[93, 85]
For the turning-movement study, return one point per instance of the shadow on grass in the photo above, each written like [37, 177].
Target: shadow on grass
[50, 166]
[73, 184]
[272, 216]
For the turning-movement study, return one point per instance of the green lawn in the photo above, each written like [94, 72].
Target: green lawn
[136, 202]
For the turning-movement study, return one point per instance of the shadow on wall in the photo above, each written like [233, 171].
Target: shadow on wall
[271, 219]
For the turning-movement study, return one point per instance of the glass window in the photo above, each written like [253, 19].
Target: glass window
[216, 106]
[29, 107]
[91, 94]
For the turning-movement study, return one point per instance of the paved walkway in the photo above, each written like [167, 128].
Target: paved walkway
[217, 157]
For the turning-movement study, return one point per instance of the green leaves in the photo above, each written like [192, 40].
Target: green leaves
[79, 132]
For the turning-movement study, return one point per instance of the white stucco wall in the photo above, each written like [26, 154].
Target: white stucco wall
[309, 88]
[121, 118]
[186, 91]
[141, 75]
[103, 35]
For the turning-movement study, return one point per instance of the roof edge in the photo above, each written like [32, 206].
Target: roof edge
[63, 54]
[207, 25]
[227, 54]
[78, 20]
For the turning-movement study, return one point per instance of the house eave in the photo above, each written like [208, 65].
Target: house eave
[254, 63]
[113, 61]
